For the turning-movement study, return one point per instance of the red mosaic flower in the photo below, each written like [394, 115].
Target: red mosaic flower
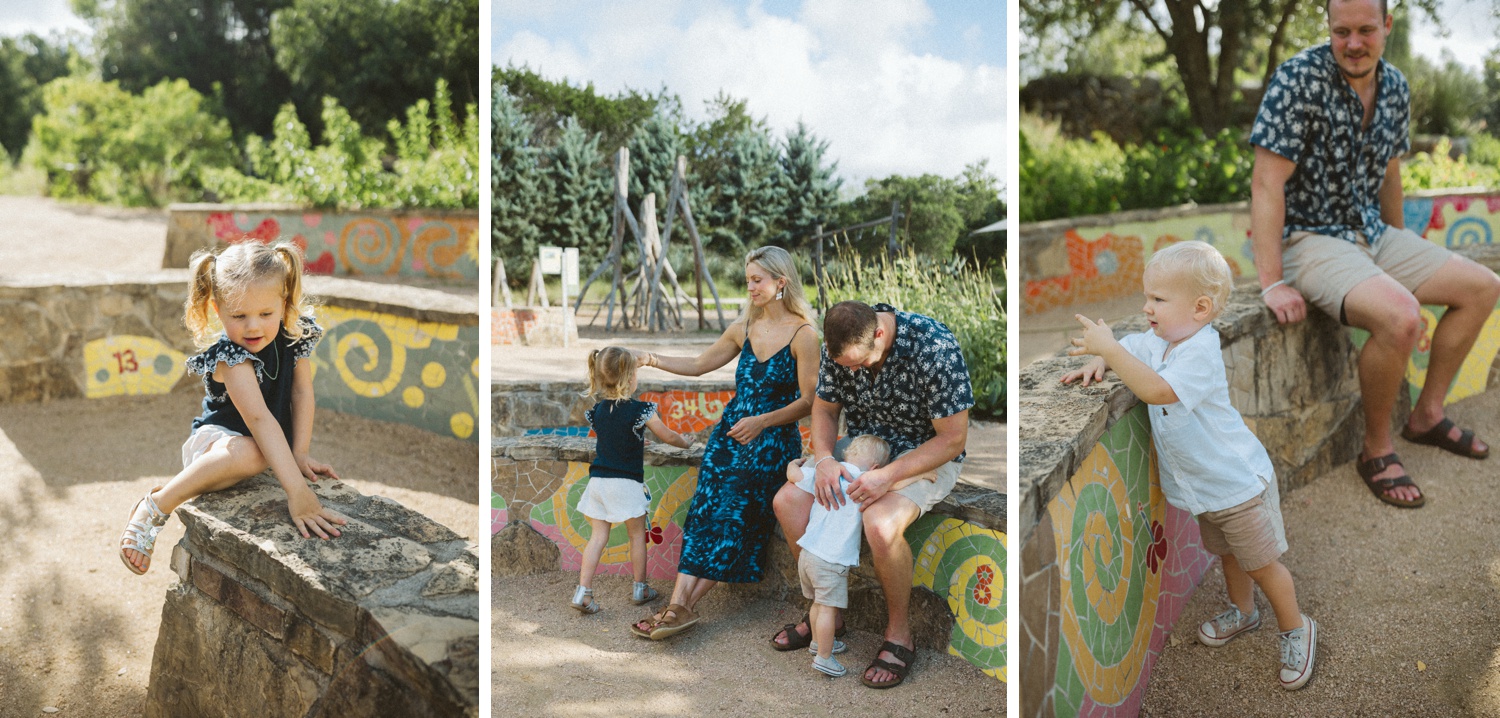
[982, 594]
[1157, 554]
[655, 534]
[986, 574]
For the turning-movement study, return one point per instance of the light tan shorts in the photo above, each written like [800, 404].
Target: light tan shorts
[925, 494]
[1252, 531]
[202, 439]
[823, 582]
[1325, 269]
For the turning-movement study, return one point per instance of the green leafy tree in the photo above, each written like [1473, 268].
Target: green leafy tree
[931, 220]
[812, 189]
[751, 196]
[221, 47]
[1446, 98]
[97, 141]
[437, 154]
[578, 187]
[519, 198]
[548, 103]
[980, 205]
[653, 158]
[1492, 92]
[378, 57]
[26, 64]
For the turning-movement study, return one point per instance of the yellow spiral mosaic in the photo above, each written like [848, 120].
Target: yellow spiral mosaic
[679, 492]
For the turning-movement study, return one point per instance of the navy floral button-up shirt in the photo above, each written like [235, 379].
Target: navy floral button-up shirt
[924, 378]
[1311, 116]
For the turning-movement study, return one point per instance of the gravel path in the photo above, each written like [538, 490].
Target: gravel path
[1405, 600]
[550, 660]
[77, 629]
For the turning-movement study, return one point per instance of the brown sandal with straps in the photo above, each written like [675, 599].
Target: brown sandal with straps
[907, 656]
[1381, 487]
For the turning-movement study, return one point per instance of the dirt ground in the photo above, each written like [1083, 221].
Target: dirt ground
[44, 236]
[550, 660]
[1405, 601]
[77, 629]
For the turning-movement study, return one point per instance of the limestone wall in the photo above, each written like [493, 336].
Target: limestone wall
[959, 547]
[389, 352]
[557, 407]
[433, 244]
[383, 620]
[1106, 563]
[1090, 259]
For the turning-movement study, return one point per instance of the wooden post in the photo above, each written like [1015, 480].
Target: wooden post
[501, 295]
[819, 272]
[893, 248]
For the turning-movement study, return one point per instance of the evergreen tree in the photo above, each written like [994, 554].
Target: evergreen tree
[519, 198]
[579, 192]
[812, 190]
[751, 197]
[653, 154]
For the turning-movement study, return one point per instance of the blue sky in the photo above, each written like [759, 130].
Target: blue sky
[895, 86]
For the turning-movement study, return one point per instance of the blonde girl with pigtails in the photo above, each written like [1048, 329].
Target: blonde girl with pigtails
[246, 310]
[616, 492]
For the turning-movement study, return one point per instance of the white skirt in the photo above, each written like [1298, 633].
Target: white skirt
[614, 500]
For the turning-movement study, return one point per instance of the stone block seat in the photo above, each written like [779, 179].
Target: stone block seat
[383, 620]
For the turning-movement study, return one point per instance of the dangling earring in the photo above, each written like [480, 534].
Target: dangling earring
[779, 293]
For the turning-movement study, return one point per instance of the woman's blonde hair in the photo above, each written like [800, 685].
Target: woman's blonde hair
[778, 263]
[1201, 265]
[221, 277]
[611, 373]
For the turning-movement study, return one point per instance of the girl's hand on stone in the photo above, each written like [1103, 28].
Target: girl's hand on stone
[312, 469]
[309, 516]
[1089, 373]
[1097, 338]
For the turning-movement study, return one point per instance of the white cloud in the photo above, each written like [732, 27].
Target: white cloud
[845, 68]
[38, 16]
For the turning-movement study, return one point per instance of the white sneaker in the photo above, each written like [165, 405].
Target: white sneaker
[838, 647]
[1222, 628]
[1299, 648]
[829, 665]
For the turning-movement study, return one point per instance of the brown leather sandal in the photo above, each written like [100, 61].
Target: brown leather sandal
[795, 640]
[1381, 487]
[907, 656]
[1438, 436]
[660, 626]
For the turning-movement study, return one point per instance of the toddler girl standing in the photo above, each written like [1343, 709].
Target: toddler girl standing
[617, 486]
[259, 405]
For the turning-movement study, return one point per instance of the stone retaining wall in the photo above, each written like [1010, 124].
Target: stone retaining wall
[1090, 259]
[383, 620]
[433, 244]
[532, 326]
[1106, 563]
[389, 352]
[557, 407]
[959, 547]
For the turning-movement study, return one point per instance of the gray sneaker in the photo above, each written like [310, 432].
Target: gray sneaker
[1222, 628]
[1299, 648]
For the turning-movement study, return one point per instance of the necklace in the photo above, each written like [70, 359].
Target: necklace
[276, 354]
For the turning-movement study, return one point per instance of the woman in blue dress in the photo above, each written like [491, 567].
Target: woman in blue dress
[730, 520]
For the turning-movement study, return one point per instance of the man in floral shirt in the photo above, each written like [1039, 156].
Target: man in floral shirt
[1328, 229]
[901, 377]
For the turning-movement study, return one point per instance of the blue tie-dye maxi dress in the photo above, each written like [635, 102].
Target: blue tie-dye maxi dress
[730, 520]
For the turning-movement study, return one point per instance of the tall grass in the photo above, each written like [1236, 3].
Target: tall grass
[969, 301]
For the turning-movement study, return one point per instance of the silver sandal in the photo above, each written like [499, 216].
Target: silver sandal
[141, 537]
[643, 593]
[581, 593]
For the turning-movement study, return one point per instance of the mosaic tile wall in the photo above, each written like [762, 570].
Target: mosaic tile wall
[687, 412]
[430, 244]
[1101, 596]
[508, 326]
[959, 561]
[1092, 264]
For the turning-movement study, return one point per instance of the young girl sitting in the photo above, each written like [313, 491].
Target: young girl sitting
[617, 489]
[259, 407]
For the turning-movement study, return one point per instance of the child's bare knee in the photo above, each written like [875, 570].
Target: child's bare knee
[246, 454]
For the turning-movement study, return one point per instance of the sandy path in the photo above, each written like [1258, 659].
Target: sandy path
[550, 660]
[44, 236]
[1389, 587]
[71, 616]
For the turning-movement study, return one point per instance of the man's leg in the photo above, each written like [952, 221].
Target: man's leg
[886, 521]
[1470, 291]
[1381, 306]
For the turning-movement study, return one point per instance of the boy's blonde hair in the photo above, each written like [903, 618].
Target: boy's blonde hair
[220, 277]
[611, 373]
[1201, 265]
[869, 446]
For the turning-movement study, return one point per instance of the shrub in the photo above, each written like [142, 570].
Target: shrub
[1437, 170]
[964, 299]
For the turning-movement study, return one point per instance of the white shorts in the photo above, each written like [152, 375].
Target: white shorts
[202, 439]
[614, 500]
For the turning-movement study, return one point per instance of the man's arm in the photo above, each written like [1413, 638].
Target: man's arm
[825, 428]
[1267, 221]
[952, 435]
[1391, 196]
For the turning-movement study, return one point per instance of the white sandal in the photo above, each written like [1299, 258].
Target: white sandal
[141, 537]
[581, 593]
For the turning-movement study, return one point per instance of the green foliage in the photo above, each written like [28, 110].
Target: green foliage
[436, 163]
[97, 141]
[1063, 177]
[981, 206]
[967, 300]
[518, 201]
[751, 196]
[812, 188]
[579, 196]
[548, 103]
[378, 57]
[1437, 170]
[26, 64]
[1492, 92]
[1446, 99]
[653, 159]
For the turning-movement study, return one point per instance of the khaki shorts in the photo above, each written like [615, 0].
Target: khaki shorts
[1325, 269]
[925, 494]
[823, 582]
[1252, 531]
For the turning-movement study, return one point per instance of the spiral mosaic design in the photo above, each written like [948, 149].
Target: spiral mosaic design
[966, 564]
[370, 246]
